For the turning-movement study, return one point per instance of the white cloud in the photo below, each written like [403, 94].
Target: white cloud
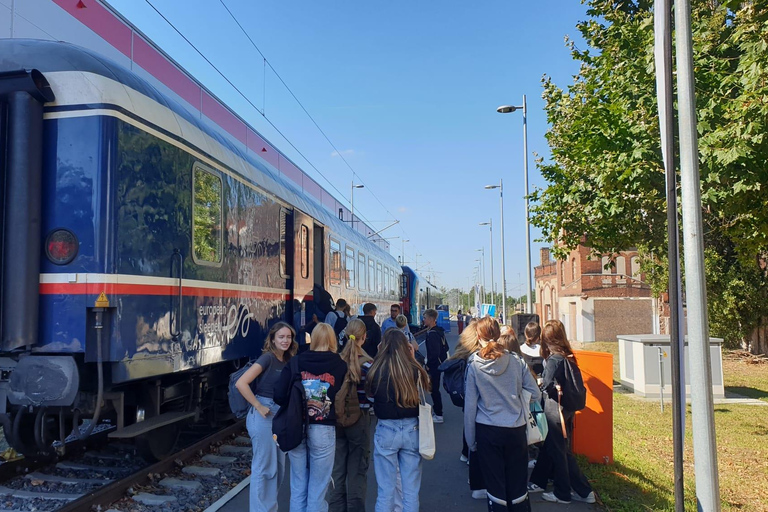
[402, 209]
[345, 152]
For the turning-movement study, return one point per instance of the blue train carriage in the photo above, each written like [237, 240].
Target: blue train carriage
[145, 255]
[418, 296]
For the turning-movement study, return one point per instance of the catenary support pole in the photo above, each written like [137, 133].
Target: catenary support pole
[529, 292]
[503, 256]
[663, 50]
[702, 406]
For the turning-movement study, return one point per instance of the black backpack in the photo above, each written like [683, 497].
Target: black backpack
[290, 423]
[574, 396]
[237, 403]
[454, 372]
[340, 325]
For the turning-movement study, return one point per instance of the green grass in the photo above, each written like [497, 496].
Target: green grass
[641, 477]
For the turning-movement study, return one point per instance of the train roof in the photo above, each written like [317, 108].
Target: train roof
[57, 56]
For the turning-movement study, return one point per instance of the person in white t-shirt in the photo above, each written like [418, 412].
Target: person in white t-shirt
[531, 349]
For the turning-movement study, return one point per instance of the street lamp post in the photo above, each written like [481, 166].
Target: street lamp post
[402, 251]
[352, 202]
[493, 280]
[482, 255]
[505, 109]
[500, 186]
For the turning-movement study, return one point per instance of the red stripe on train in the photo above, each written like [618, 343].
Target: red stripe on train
[149, 289]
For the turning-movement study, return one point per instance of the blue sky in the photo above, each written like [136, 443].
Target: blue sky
[407, 91]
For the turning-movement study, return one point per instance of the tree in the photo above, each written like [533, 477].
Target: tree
[606, 179]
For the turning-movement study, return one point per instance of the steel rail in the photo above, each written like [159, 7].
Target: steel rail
[108, 494]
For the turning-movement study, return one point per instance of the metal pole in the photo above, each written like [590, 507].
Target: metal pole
[352, 205]
[702, 406]
[503, 256]
[493, 280]
[661, 377]
[664, 91]
[527, 222]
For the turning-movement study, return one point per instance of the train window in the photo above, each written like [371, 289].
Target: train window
[207, 216]
[386, 281]
[379, 279]
[335, 276]
[371, 276]
[304, 243]
[285, 262]
[361, 268]
[350, 267]
[393, 280]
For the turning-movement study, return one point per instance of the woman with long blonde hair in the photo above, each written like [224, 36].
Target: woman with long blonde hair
[393, 383]
[495, 419]
[353, 442]
[555, 458]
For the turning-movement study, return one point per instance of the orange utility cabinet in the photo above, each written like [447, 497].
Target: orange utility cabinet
[593, 426]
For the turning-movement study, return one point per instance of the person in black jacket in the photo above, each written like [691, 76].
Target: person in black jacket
[555, 458]
[393, 382]
[372, 329]
[322, 373]
[437, 352]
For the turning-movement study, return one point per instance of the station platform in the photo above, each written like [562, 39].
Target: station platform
[444, 484]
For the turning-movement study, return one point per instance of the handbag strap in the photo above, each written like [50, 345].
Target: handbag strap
[560, 410]
[422, 394]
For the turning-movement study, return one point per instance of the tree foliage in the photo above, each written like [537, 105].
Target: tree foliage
[606, 186]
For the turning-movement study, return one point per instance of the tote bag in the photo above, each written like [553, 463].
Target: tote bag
[426, 427]
[536, 424]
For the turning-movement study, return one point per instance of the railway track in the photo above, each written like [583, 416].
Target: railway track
[116, 479]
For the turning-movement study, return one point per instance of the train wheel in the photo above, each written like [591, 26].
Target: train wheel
[159, 443]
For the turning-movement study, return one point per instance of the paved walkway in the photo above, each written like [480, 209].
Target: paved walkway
[444, 484]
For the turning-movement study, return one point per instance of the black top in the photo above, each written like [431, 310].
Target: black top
[372, 335]
[321, 374]
[434, 346]
[271, 370]
[384, 404]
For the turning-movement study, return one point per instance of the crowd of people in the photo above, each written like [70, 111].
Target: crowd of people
[352, 373]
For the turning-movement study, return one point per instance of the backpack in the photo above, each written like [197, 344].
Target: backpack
[454, 372]
[574, 394]
[237, 403]
[340, 324]
[443, 347]
[347, 404]
[290, 422]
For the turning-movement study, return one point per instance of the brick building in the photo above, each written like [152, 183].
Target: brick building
[593, 302]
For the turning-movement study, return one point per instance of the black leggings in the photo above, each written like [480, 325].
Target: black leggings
[503, 454]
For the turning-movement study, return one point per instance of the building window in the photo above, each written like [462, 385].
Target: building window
[335, 276]
[361, 267]
[207, 216]
[562, 273]
[634, 264]
[573, 269]
[350, 267]
[621, 267]
[606, 265]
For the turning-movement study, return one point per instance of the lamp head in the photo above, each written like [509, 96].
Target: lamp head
[506, 109]
[491, 187]
[358, 186]
[484, 224]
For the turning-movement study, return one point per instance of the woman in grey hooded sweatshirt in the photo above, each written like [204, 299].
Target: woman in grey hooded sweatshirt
[495, 419]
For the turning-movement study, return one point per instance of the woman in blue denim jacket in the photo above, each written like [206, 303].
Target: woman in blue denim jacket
[256, 385]
[393, 382]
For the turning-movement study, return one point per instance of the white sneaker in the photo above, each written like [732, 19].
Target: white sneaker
[480, 494]
[589, 499]
[463, 458]
[437, 419]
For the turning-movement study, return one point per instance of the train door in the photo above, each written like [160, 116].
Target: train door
[319, 267]
[303, 263]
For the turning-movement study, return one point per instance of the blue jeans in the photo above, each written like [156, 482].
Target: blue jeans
[268, 463]
[396, 446]
[309, 483]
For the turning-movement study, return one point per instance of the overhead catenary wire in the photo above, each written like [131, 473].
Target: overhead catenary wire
[263, 110]
[245, 97]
